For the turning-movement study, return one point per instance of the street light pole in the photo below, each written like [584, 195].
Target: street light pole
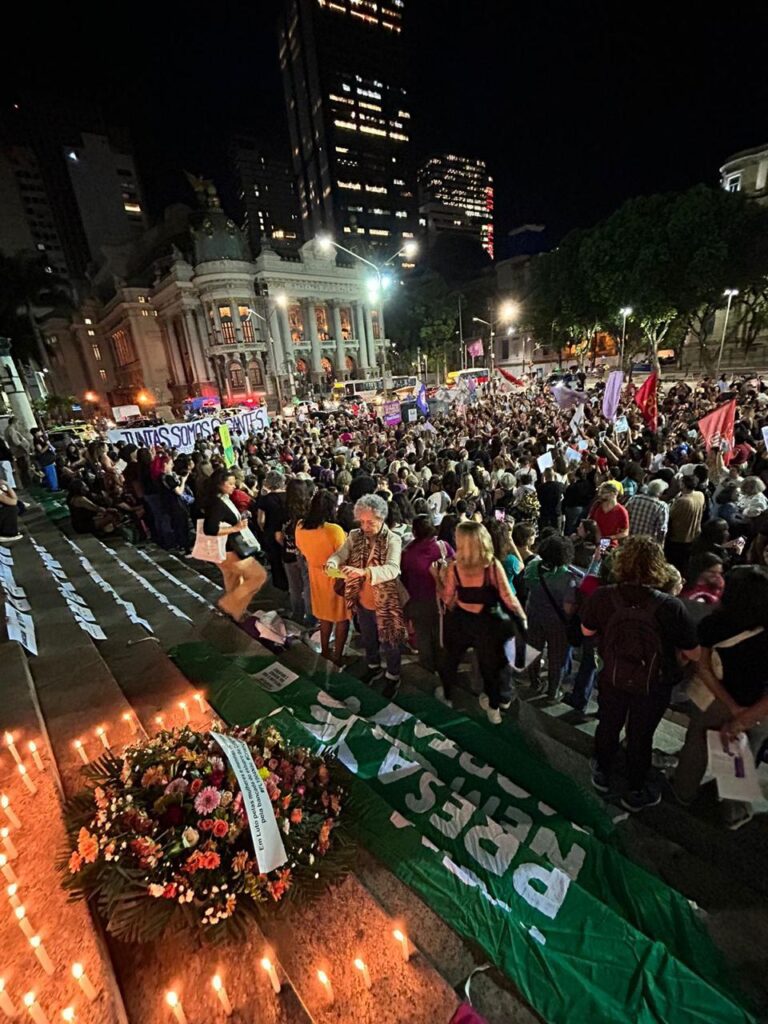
[730, 293]
[625, 312]
[272, 355]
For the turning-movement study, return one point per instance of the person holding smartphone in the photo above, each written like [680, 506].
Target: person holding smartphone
[243, 575]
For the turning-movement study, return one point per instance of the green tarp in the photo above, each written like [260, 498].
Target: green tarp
[484, 833]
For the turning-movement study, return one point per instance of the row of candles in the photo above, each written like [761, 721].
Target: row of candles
[29, 1000]
[174, 1002]
[130, 719]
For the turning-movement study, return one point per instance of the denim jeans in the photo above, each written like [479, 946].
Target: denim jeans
[585, 677]
[51, 477]
[369, 633]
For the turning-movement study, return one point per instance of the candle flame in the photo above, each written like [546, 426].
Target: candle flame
[9, 738]
[217, 983]
[77, 744]
[359, 964]
[322, 977]
[77, 971]
[20, 913]
[29, 999]
[12, 889]
[22, 769]
[35, 942]
[32, 748]
[266, 963]
[171, 998]
[398, 935]
[4, 801]
[68, 1014]
[100, 731]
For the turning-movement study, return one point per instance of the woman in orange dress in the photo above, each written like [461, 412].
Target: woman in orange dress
[317, 538]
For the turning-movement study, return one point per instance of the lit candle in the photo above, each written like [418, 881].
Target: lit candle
[101, 732]
[36, 757]
[221, 992]
[325, 981]
[159, 721]
[5, 803]
[199, 700]
[21, 917]
[403, 940]
[175, 1004]
[269, 967]
[5, 867]
[363, 968]
[5, 1001]
[185, 709]
[131, 720]
[41, 953]
[12, 747]
[78, 745]
[35, 1009]
[27, 780]
[78, 973]
[13, 899]
[10, 849]
[68, 1014]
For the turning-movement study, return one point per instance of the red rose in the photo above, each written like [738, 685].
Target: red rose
[296, 815]
[220, 828]
[195, 787]
[207, 824]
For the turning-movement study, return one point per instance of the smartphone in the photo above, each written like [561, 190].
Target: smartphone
[339, 500]
[605, 543]
[500, 514]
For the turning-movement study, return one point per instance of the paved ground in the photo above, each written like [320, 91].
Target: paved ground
[721, 872]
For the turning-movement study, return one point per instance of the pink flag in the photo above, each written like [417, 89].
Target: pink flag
[612, 394]
[475, 347]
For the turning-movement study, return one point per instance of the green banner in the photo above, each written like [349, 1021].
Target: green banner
[226, 444]
[584, 933]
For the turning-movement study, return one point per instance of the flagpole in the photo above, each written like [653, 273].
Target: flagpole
[461, 337]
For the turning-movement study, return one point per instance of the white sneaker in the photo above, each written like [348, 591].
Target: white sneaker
[482, 700]
[12, 540]
[494, 716]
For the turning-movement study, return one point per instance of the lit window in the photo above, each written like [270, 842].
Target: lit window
[132, 207]
[91, 334]
[96, 352]
[733, 183]
[87, 320]
[398, 136]
[371, 131]
[346, 124]
[342, 149]
[41, 247]
[397, 181]
[103, 374]
[72, 155]
[355, 185]
[145, 312]
[378, 231]
[376, 188]
[401, 213]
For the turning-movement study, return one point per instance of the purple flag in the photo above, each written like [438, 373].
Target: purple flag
[612, 394]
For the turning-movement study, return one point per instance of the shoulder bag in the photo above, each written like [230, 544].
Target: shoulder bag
[572, 624]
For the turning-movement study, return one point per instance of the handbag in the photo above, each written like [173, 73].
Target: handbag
[244, 543]
[209, 549]
[572, 625]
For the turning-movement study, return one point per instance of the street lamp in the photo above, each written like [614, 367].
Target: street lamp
[730, 294]
[625, 312]
[272, 347]
[507, 311]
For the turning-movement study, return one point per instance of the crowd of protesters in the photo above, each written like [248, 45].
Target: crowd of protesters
[572, 558]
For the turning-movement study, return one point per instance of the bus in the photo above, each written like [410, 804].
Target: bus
[368, 388]
[480, 374]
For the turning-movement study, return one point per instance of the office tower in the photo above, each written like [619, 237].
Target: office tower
[344, 75]
[460, 184]
[266, 189]
[76, 181]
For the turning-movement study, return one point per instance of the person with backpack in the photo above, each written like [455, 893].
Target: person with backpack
[642, 636]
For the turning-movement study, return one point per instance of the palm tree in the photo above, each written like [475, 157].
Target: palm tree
[27, 288]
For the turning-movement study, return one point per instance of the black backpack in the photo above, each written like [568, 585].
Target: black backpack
[632, 646]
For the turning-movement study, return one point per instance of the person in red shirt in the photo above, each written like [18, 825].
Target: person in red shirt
[611, 518]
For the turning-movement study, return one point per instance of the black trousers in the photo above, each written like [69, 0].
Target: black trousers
[487, 633]
[641, 714]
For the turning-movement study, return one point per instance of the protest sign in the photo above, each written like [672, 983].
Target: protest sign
[182, 437]
[391, 414]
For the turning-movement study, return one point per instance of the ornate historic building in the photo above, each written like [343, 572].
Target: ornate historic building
[187, 312]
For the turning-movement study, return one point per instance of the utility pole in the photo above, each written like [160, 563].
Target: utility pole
[462, 355]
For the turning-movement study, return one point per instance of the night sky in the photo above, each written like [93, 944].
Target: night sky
[575, 110]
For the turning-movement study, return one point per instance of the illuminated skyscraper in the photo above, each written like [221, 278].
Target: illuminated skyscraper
[343, 69]
[464, 184]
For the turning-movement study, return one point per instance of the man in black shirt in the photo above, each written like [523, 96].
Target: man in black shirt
[642, 635]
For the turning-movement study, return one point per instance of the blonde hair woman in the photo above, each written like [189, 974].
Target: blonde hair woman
[476, 592]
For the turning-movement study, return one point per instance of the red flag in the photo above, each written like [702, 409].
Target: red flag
[510, 377]
[718, 427]
[645, 399]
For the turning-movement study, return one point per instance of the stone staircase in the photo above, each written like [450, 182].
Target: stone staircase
[81, 683]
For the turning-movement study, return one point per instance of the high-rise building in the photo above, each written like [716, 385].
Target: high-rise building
[344, 75]
[460, 183]
[266, 189]
[75, 181]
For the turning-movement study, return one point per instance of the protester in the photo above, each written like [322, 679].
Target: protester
[552, 581]
[648, 514]
[370, 562]
[639, 634]
[733, 668]
[685, 516]
[9, 512]
[611, 518]
[298, 495]
[418, 560]
[474, 589]
[20, 444]
[705, 579]
[243, 575]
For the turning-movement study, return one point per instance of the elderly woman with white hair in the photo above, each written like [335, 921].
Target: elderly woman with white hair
[752, 501]
[370, 562]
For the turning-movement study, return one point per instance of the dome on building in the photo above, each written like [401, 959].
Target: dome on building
[215, 236]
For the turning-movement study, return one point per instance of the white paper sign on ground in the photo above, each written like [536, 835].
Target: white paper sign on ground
[267, 841]
[6, 557]
[531, 654]
[20, 627]
[275, 677]
[733, 768]
[21, 604]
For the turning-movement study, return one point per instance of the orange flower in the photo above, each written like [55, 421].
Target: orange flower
[211, 861]
[75, 862]
[220, 829]
[296, 815]
[87, 846]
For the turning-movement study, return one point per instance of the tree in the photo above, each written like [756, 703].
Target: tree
[26, 288]
[423, 315]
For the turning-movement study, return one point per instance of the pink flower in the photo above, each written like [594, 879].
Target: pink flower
[207, 800]
[176, 786]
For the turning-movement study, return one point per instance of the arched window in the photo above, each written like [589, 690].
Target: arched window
[301, 366]
[350, 364]
[327, 366]
[256, 374]
[236, 377]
